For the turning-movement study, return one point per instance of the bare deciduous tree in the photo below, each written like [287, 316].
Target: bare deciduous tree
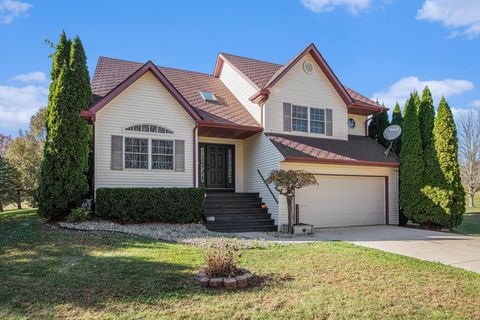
[469, 152]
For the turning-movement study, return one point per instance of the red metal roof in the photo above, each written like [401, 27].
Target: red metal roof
[264, 74]
[356, 150]
[228, 110]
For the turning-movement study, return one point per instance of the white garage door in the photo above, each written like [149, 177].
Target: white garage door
[343, 201]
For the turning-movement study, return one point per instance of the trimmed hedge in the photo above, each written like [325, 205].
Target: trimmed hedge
[171, 205]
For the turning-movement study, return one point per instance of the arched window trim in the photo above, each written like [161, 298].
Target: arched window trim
[152, 128]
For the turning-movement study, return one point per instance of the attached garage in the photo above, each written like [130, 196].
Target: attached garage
[341, 200]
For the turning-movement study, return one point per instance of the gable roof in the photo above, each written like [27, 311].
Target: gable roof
[265, 74]
[358, 150]
[113, 75]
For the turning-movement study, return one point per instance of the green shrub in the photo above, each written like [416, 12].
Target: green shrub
[171, 205]
[79, 215]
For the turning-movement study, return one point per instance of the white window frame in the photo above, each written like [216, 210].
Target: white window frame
[124, 152]
[309, 119]
[303, 119]
[148, 132]
[149, 159]
[162, 154]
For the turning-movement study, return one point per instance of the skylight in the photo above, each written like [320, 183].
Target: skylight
[208, 96]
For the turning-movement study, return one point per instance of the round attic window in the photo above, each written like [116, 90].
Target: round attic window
[351, 123]
[308, 67]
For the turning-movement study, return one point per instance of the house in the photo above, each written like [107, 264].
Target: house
[163, 127]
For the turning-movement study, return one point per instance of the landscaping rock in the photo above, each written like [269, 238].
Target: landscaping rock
[242, 281]
[230, 283]
[203, 281]
[190, 233]
[216, 282]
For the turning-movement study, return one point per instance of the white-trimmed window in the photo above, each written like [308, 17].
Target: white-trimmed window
[136, 153]
[149, 128]
[308, 119]
[317, 120]
[162, 154]
[299, 118]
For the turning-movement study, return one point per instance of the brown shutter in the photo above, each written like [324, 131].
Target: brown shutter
[287, 117]
[180, 155]
[329, 123]
[117, 152]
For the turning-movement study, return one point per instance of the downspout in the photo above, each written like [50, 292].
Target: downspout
[195, 155]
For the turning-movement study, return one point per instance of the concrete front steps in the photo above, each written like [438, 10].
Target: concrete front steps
[236, 212]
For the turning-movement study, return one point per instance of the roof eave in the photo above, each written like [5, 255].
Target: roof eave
[342, 162]
[149, 66]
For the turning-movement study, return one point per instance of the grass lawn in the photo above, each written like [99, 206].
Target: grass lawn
[52, 273]
[471, 220]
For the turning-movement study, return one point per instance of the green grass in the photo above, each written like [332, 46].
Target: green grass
[475, 209]
[471, 220]
[47, 272]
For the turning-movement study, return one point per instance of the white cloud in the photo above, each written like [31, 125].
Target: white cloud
[400, 90]
[11, 9]
[36, 76]
[18, 104]
[353, 6]
[462, 16]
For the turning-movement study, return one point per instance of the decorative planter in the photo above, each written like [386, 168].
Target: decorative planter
[241, 280]
[300, 228]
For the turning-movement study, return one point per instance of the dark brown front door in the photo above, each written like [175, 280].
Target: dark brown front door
[216, 166]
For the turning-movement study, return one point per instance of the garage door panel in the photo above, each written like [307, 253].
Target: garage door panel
[343, 201]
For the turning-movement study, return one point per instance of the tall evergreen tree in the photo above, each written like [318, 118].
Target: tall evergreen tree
[412, 166]
[426, 117]
[63, 176]
[376, 127]
[397, 119]
[452, 199]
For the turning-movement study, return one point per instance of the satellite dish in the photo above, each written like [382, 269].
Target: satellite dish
[392, 132]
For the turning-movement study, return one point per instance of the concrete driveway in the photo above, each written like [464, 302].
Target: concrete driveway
[447, 248]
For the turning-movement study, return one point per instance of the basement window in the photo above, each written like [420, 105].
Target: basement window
[208, 96]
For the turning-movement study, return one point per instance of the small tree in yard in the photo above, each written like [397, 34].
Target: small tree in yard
[8, 183]
[286, 182]
[469, 153]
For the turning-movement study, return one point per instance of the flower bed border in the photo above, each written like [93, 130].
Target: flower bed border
[239, 281]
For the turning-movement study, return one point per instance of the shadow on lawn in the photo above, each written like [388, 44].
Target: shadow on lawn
[42, 268]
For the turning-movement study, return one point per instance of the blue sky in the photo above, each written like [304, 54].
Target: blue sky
[381, 48]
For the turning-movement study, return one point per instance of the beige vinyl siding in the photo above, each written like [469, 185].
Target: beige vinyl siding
[311, 90]
[239, 158]
[346, 170]
[241, 88]
[359, 129]
[145, 101]
[261, 154]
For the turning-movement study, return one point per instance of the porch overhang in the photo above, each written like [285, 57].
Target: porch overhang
[220, 130]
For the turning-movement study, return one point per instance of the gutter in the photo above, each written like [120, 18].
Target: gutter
[343, 162]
